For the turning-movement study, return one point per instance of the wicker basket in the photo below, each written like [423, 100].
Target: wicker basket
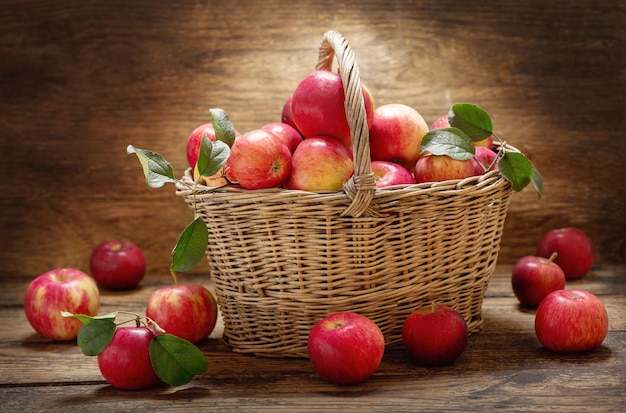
[282, 259]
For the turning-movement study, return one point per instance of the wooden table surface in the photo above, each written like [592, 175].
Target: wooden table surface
[504, 367]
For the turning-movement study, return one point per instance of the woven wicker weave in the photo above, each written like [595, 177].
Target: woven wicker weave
[282, 259]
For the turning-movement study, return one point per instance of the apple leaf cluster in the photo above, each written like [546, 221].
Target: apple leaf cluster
[470, 123]
[175, 360]
[192, 243]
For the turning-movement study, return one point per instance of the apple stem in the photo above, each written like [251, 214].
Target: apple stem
[552, 257]
[432, 306]
[174, 277]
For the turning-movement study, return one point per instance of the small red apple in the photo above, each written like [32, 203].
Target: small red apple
[436, 168]
[571, 321]
[290, 136]
[125, 362]
[186, 311]
[286, 115]
[317, 107]
[533, 278]
[62, 289]
[435, 335]
[117, 265]
[442, 122]
[259, 159]
[390, 173]
[345, 348]
[320, 163]
[194, 139]
[574, 249]
[484, 160]
[396, 134]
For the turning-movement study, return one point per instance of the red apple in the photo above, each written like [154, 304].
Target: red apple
[396, 134]
[320, 163]
[436, 168]
[290, 136]
[442, 122]
[484, 160]
[574, 249]
[286, 115]
[571, 321]
[317, 106]
[193, 142]
[62, 289]
[117, 265]
[345, 348]
[533, 278]
[125, 362]
[435, 335]
[186, 311]
[390, 173]
[258, 159]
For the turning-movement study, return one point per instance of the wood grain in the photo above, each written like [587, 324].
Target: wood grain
[504, 367]
[82, 80]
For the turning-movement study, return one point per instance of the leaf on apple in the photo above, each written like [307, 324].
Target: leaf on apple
[224, 129]
[452, 142]
[155, 168]
[191, 246]
[212, 156]
[176, 360]
[472, 120]
[95, 336]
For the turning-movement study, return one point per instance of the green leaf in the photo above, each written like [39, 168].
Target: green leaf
[95, 336]
[155, 168]
[516, 169]
[537, 182]
[84, 318]
[191, 246]
[175, 360]
[224, 129]
[212, 156]
[472, 120]
[448, 141]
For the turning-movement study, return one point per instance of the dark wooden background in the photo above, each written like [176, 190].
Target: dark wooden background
[80, 80]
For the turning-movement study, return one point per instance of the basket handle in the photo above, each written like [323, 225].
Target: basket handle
[361, 186]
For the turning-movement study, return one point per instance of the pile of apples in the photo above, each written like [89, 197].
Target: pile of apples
[311, 149]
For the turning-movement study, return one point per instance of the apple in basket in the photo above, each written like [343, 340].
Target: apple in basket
[484, 160]
[61, 289]
[435, 335]
[571, 321]
[193, 142]
[186, 311]
[345, 348]
[286, 115]
[533, 278]
[259, 159]
[390, 173]
[317, 106]
[287, 133]
[574, 249]
[320, 163]
[436, 168]
[396, 134]
[442, 122]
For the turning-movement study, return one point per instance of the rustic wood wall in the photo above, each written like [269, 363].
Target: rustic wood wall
[80, 80]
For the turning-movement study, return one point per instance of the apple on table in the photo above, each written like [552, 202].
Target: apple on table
[345, 348]
[533, 278]
[571, 321]
[574, 249]
[61, 289]
[117, 264]
[188, 311]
